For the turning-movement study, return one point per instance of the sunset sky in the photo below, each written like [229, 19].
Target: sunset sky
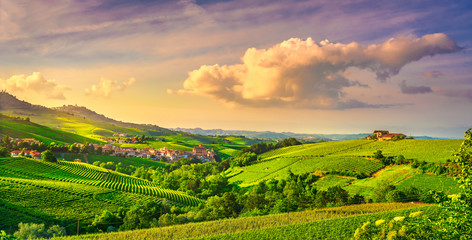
[299, 66]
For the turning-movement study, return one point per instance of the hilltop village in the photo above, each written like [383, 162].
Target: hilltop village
[28, 146]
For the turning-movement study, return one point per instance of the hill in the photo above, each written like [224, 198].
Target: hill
[351, 158]
[311, 224]
[21, 128]
[37, 191]
[78, 120]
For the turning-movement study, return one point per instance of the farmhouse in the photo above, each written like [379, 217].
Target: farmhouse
[27, 140]
[27, 153]
[383, 135]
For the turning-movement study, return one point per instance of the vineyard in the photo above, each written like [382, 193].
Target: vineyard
[349, 158]
[331, 228]
[37, 191]
[251, 227]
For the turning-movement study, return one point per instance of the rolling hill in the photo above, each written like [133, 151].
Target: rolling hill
[354, 156]
[20, 128]
[38, 191]
[327, 223]
[74, 119]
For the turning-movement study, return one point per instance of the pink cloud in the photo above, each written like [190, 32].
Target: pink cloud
[302, 73]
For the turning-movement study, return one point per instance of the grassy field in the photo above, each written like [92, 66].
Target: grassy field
[245, 225]
[24, 129]
[435, 151]
[82, 126]
[348, 156]
[431, 182]
[137, 162]
[67, 191]
[403, 176]
[331, 181]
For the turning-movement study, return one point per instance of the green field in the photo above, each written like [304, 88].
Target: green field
[84, 126]
[67, 191]
[137, 162]
[431, 182]
[403, 176]
[252, 227]
[435, 151]
[331, 181]
[24, 129]
[347, 156]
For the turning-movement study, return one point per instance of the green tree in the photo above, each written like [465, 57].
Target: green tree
[48, 156]
[105, 220]
[5, 236]
[395, 196]
[3, 152]
[33, 230]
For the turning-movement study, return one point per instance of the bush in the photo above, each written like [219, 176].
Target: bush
[33, 230]
[48, 156]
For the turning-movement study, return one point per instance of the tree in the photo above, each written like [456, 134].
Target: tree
[395, 196]
[48, 156]
[105, 220]
[33, 230]
[381, 191]
[3, 152]
[378, 155]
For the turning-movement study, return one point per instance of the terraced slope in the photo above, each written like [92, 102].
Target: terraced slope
[89, 175]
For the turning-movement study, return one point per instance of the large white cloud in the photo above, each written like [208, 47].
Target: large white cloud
[34, 83]
[303, 73]
[107, 87]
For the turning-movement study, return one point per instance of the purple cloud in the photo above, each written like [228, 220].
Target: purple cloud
[455, 93]
[414, 89]
[432, 74]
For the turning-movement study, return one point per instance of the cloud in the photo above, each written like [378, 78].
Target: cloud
[414, 89]
[455, 93]
[432, 74]
[302, 73]
[34, 83]
[107, 87]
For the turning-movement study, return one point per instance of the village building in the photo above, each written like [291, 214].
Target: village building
[26, 140]
[199, 150]
[383, 135]
[27, 153]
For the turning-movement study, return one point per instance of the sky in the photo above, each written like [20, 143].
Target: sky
[298, 66]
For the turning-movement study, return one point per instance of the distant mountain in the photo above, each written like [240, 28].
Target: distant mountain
[75, 119]
[273, 135]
